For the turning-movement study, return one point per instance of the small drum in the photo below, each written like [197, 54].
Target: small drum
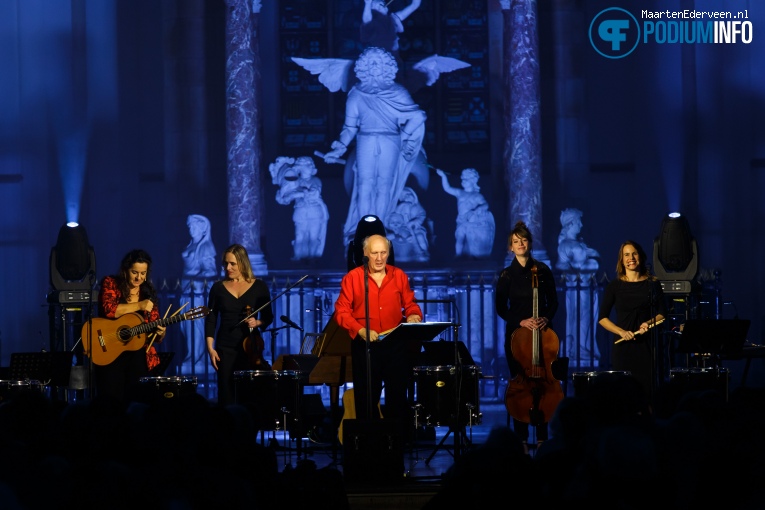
[165, 388]
[436, 392]
[9, 389]
[699, 379]
[270, 395]
[583, 381]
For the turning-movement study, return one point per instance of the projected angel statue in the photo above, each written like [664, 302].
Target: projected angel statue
[475, 223]
[386, 124]
[407, 228]
[380, 28]
[297, 181]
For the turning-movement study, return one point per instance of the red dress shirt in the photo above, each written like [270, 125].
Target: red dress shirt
[386, 302]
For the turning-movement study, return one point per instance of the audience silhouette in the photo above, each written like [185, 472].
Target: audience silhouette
[608, 448]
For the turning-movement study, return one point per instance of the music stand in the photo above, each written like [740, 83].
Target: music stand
[415, 333]
[714, 336]
[331, 365]
[50, 368]
[164, 362]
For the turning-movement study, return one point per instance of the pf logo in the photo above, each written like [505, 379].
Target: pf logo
[614, 33]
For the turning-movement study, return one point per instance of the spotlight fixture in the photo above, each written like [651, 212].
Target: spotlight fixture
[368, 225]
[72, 266]
[675, 253]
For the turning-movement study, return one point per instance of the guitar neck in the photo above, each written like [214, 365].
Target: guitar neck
[148, 326]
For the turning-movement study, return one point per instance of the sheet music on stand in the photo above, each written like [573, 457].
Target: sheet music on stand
[415, 331]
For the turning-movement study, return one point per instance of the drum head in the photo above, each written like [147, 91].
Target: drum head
[294, 374]
[433, 369]
[253, 374]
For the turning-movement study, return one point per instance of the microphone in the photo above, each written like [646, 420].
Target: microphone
[289, 323]
[365, 260]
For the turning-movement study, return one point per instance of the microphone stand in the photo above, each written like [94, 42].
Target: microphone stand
[90, 378]
[458, 393]
[654, 347]
[273, 341]
[369, 356]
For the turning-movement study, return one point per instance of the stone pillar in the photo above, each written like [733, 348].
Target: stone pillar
[522, 154]
[243, 125]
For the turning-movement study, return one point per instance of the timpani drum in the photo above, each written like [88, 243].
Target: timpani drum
[272, 396]
[437, 387]
[685, 380]
[12, 388]
[167, 388]
[584, 381]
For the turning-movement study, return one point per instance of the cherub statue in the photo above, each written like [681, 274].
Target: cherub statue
[573, 253]
[474, 235]
[380, 28]
[407, 229]
[297, 181]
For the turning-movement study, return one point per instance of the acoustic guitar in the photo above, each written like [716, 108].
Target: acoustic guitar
[111, 337]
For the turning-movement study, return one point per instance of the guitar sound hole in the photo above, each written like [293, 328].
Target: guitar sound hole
[124, 335]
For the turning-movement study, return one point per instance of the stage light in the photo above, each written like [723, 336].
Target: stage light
[675, 253]
[72, 265]
[368, 225]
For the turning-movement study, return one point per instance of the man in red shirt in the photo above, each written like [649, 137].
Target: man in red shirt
[390, 300]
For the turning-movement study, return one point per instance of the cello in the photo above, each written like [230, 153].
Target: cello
[534, 393]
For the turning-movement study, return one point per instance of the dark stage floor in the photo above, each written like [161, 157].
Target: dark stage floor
[426, 461]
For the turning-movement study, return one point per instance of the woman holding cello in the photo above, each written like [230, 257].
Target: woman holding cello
[525, 297]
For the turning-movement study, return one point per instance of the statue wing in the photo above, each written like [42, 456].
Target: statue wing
[434, 65]
[333, 73]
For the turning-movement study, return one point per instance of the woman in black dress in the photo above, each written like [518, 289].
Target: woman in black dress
[638, 299]
[228, 303]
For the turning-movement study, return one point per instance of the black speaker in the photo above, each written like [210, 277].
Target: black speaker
[372, 452]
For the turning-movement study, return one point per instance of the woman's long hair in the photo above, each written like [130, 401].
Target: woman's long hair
[642, 269]
[147, 290]
[242, 260]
